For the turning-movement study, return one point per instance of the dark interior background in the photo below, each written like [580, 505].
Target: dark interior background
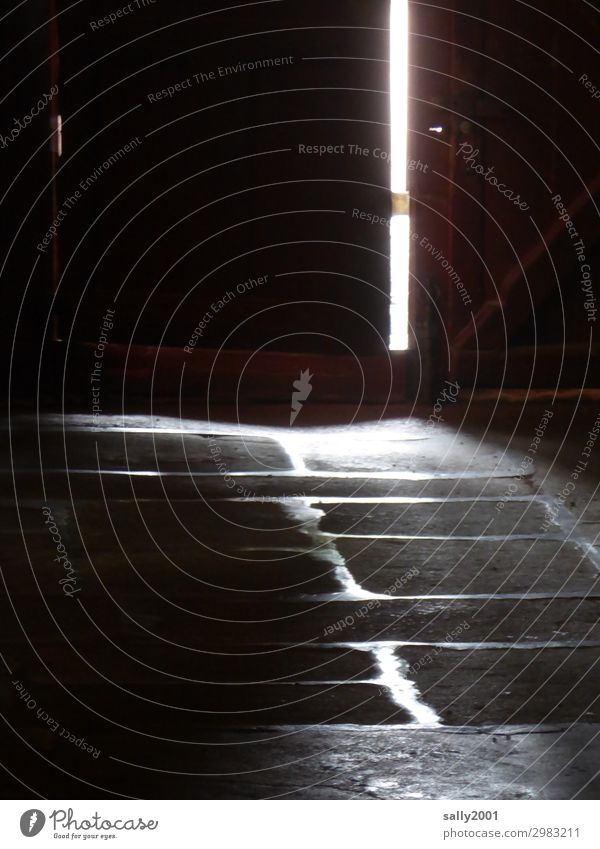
[216, 191]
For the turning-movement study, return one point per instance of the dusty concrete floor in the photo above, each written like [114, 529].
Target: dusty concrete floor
[391, 610]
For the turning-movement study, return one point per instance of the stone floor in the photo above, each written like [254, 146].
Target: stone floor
[204, 609]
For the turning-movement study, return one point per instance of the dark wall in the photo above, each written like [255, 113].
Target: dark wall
[25, 186]
[505, 82]
[217, 190]
[516, 89]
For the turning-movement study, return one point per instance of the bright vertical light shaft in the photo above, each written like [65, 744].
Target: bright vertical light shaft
[399, 91]
[399, 268]
[400, 226]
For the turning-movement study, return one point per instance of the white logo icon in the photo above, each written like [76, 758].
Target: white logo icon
[303, 389]
[32, 822]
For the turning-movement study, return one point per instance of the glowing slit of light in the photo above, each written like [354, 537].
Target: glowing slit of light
[403, 692]
[400, 226]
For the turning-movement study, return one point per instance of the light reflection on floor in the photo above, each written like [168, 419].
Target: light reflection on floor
[403, 692]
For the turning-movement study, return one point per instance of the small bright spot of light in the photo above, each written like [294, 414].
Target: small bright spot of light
[437, 129]
[56, 125]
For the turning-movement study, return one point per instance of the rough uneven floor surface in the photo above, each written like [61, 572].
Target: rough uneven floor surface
[202, 609]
